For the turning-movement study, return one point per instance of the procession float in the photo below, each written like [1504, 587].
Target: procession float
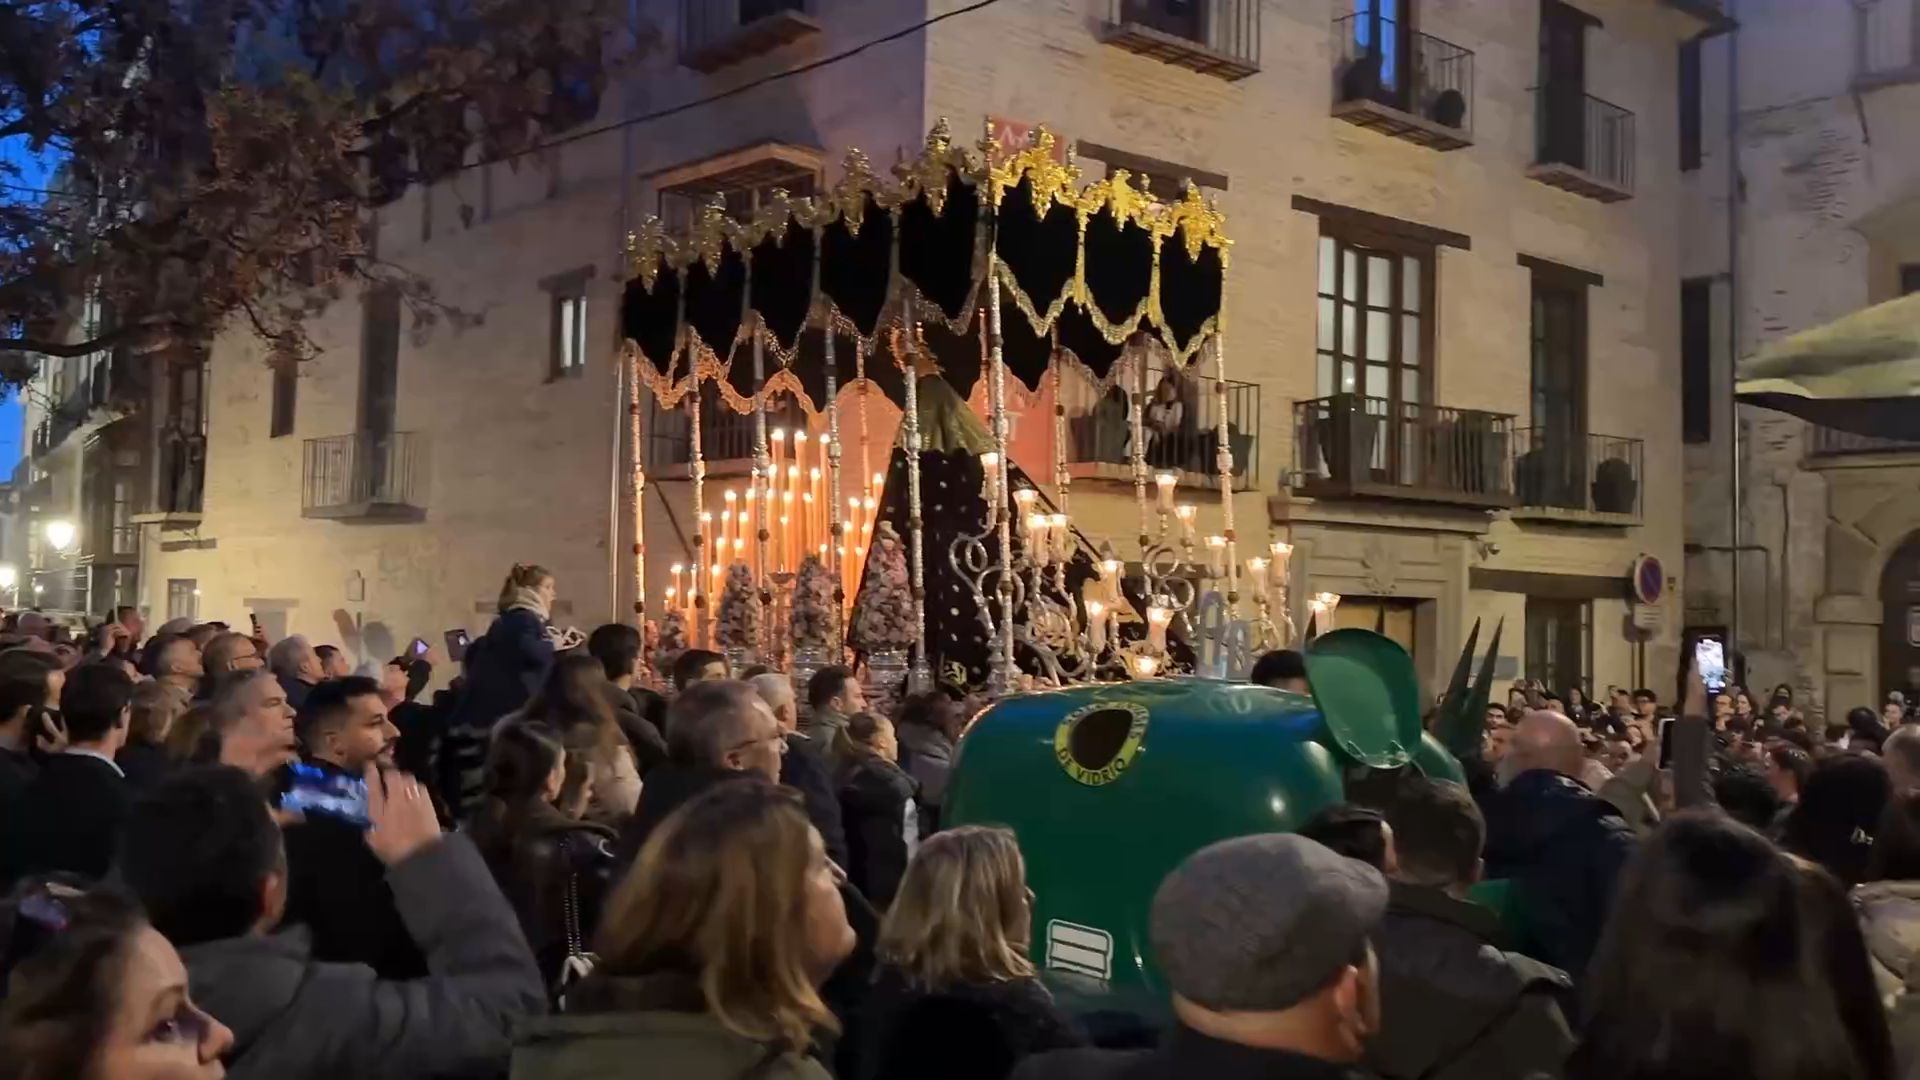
[1117, 741]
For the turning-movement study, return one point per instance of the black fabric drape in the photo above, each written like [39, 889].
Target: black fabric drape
[855, 267]
[651, 320]
[783, 281]
[1190, 289]
[716, 300]
[1040, 251]
[1078, 335]
[810, 363]
[937, 250]
[1119, 265]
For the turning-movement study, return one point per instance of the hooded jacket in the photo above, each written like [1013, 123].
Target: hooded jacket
[1563, 847]
[1463, 1008]
[294, 1017]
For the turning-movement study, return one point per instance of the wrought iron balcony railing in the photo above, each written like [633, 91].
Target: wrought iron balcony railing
[1402, 82]
[365, 476]
[1832, 442]
[1582, 144]
[1348, 446]
[1578, 475]
[1100, 432]
[1214, 37]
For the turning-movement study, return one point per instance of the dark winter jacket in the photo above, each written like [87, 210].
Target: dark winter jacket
[670, 786]
[648, 1025]
[1563, 848]
[537, 861]
[68, 819]
[296, 691]
[648, 742]
[294, 1017]
[1185, 1054]
[144, 765]
[905, 1032]
[17, 770]
[1462, 1008]
[883, 826]
[338, 889]
[505, 668]
[804, 771]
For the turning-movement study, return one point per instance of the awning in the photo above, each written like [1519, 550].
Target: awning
[1859, 373]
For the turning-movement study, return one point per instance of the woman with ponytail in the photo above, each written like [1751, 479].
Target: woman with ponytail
[553, 867]
[504, 668]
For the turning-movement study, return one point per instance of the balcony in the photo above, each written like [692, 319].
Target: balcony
[726, 438]
[1214, 37]
[180, 485]
[1407, 84]
[1100, 434]
[1348, 447]
[1826, 442]
[1582, 479]
[365, 477]
[1582, 144]
[719, 33]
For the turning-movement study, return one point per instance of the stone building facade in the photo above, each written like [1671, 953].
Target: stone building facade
[1452, 312]
[1810, 164]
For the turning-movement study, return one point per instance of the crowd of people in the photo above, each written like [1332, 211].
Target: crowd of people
[226, 856]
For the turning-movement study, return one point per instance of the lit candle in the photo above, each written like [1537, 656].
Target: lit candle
[706, 533]
[726, 527]
[1158, 618]
[673, 593]
[1186, 513]
[1037, 539]
[1166, 481]
[787, 548]
[1023, 503]
[818, 496]
[1216, 555]
[1327, 602]
[1257, 570]
[1144, 666]
[713, 587]
[1096, 627]
[990, 481]
[806, 516]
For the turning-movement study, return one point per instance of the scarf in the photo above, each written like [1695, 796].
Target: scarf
[522, 597]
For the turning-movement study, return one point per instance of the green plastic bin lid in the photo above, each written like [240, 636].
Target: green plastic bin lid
[1369, 693]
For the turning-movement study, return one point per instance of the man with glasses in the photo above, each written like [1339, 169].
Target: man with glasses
[717, 730]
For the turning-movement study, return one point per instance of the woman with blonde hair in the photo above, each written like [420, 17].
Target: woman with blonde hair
[956, 994]
[711, 952]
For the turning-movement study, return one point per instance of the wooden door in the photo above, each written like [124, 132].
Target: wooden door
[1563, 84]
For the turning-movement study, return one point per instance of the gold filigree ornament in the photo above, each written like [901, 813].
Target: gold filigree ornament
[1053, 180]
[939, 160]
[781, 213]
[713, 233]
[647, 248]
[848, 199]
[1201, 221]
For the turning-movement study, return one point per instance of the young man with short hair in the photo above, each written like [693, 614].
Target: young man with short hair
[1464, 1008]
[717, 731]
[1282, 669]
[640, 712]
[335, 886]
[206, 862]
[696, 666]
[70, 815]
[23, 705]
[833, 695]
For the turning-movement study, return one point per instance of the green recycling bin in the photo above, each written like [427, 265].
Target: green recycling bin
[1109, 786]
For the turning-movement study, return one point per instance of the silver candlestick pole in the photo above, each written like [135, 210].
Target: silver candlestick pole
[920, 676]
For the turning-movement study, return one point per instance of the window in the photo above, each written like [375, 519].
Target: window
[1559, 642]
[379, 359]
[1181, 18]
[1166, 181]
[1374, 296]
[1559, 355]
[1696, 360]
[126, 586]
[569, 346]
[285, 391]
[126, 535]
[1909, 279]
[1563, 83]
[680, 208]
[1690, 105]
[183, 599]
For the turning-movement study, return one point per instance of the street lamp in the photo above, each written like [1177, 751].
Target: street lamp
[9, 576]
[61, 533]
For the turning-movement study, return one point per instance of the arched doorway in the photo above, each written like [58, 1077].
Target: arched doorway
[1900, 626]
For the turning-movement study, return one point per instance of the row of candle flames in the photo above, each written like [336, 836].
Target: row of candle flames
[796, 492]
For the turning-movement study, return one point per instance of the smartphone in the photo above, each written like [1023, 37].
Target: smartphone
[1666, 742]
[1710, 660]
[315, 791]
[457, 643]
[418, 649]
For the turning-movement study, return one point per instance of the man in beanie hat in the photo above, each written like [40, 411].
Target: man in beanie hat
[1264, 941]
